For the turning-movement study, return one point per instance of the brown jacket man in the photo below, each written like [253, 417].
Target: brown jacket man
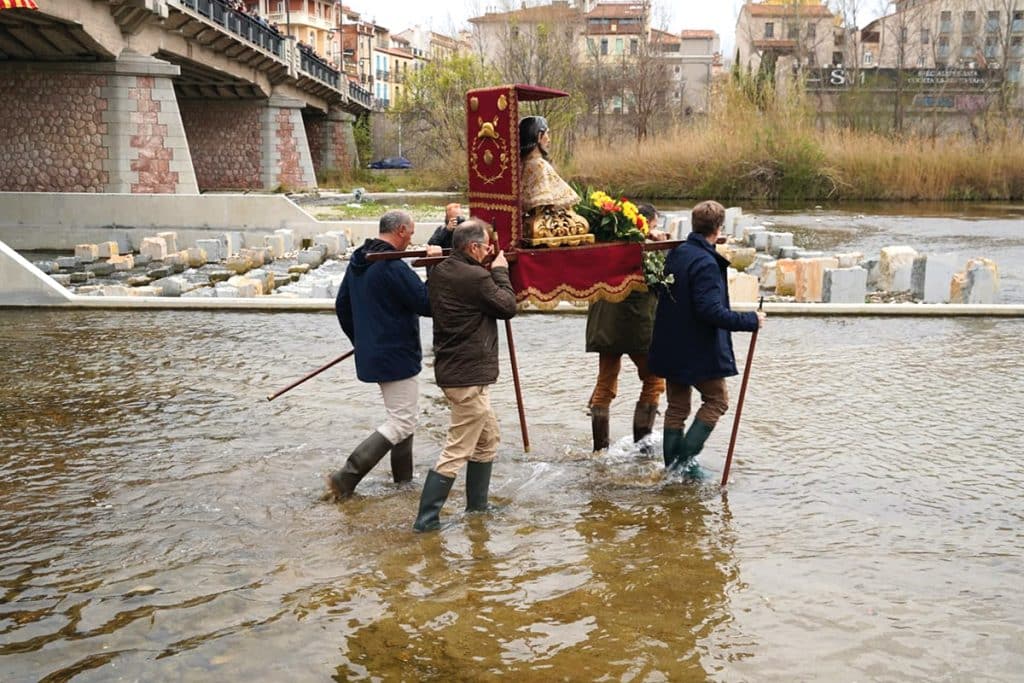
[467, 300]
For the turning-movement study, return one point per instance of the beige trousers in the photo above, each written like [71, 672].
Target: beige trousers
[473, 433]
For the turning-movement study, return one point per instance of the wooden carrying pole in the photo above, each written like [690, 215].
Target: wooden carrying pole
[311, 375]
[739, 402]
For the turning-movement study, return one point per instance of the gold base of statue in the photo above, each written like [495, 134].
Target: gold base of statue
[565, 241]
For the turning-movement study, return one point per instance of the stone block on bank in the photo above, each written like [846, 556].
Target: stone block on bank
[144, 291]
[739, 258]
[313, 256]
[329, 240]
[196, 257]
[222, 275]
[142, 260]
[172, 286]
[81, 277]
[978, 283]
[87, 253]
[300, 268]
[895, 266]
[275, 243]
[170, 239]
[138, 281]
[232, 242]
[108, 249]
[732, 220]
[850, 259]
[845, 285]
[810, 277]
[67, 262]
[62, 279]
[788, 252]
[157, 273]
[255, 256]
[154, 247]
[785, 277]
[115, 290]
[47, 267]
[225, 291]
[215, 250]
[264, 277]
[239, 264]
[778, 240]
[756, 237]
[90, 290]
[102, 268]
[931, 277]
[247, 287]
[122, 263]
[742, 287]
[288, 235]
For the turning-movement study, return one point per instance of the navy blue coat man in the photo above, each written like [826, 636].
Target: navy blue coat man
[378, 306]
[691, 342]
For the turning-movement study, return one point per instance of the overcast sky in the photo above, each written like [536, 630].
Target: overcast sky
[441, 15]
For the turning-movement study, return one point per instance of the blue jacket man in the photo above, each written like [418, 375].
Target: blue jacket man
[378, 305]
[691, 346]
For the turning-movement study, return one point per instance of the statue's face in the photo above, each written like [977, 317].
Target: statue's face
[544, 140]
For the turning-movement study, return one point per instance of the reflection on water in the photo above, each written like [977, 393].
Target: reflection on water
[160, 519]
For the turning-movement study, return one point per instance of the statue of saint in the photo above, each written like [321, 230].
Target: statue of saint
[547, 200]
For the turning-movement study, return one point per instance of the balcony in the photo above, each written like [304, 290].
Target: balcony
[242, 25]
[383, 75]
[360, 95]
[316, 67]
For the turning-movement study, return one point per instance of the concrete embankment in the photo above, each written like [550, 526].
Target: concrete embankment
[60, 220]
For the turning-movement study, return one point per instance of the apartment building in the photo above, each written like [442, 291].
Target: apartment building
[804, 32]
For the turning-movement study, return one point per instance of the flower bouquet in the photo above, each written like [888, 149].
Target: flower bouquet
[612, 220]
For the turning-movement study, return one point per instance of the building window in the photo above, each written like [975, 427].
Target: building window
[921, 61]
[970, 19]
[604, 46]
[992, 22]
[634, 47]
[837, 58]
[943, 46]
[1017, 46]
[869, 58]
[903, 35]
[812, 30]
[769, 30]
[926, 36]
[991, 47]
[514, 31]
[591, 46]
[619, 46]
[945, 22]
[793, 33]
[1018, 22]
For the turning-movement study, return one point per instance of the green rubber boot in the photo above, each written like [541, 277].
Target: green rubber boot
[693, 444]
[673, 445]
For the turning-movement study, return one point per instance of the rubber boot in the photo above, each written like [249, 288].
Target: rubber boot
[643, 423]
[673, 446]
[342, 483]
[599, 427]
[435, 492]
[401, 460]
[478, 483]
[693, 444]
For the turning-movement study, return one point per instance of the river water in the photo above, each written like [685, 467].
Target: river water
[160, 519]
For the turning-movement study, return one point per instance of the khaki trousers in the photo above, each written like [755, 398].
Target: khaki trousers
[473, 433]
[608, 369]
[714, 403]
[401, 401]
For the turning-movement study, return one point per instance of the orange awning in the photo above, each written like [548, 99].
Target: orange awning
[23, 4]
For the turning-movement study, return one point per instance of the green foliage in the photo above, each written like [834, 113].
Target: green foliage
[363, 139]
[610, 219]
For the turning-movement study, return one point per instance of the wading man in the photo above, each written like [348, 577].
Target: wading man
[692, 346]
[624, 328]
[467, 300]
[378, 306]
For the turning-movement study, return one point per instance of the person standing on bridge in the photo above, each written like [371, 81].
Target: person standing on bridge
[691, 346]
[467, 300]
[624, 328]
[379, 305]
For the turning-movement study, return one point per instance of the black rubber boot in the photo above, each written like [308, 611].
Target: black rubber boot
[342, 483]
[599, 427]
[435, 492]
[401, 460]
[478, 483]
[643, 422]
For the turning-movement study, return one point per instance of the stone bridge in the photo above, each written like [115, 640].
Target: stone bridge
[165, 96]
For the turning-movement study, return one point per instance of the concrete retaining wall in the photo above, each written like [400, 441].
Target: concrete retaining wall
[59, 221]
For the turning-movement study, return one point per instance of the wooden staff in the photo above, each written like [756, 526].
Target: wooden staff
[409, 253]
[519, 391]
[739, 403]
[311, 375]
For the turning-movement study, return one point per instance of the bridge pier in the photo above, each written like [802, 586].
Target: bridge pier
[332, 142]
[93, 127]
[287, 162]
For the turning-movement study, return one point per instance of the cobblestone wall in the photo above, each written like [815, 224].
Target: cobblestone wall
[51, 128]
[225, 140]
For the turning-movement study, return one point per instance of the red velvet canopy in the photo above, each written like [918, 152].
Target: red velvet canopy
[543, 276]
